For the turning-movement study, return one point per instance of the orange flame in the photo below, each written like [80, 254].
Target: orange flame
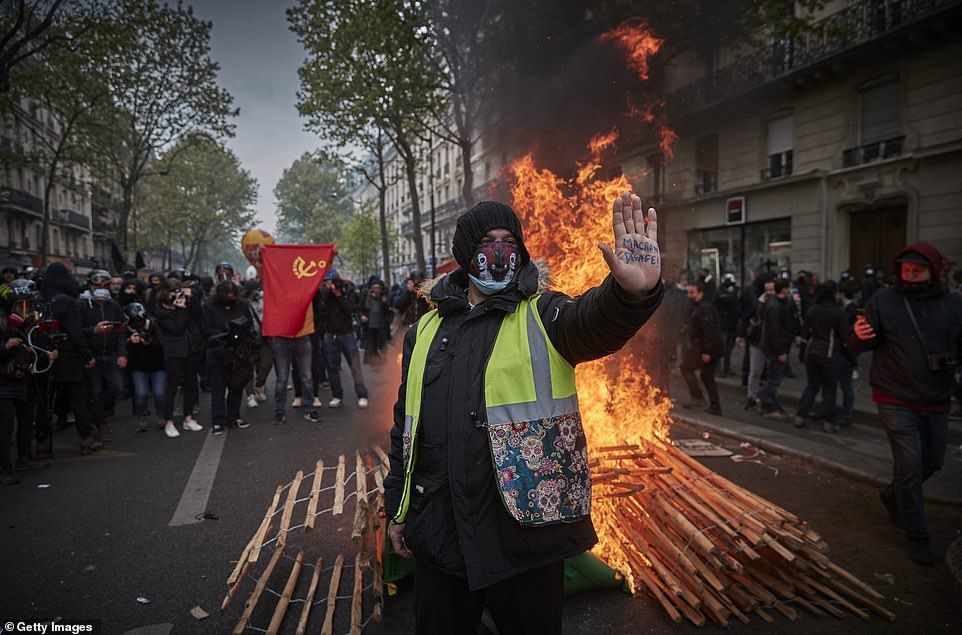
[564, 220]
[637, 40]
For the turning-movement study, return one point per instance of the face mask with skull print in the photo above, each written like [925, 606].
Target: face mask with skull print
[493, 266]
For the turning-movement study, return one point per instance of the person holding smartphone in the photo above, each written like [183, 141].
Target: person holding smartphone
[915, 332]
[102, 322]
[182, 343]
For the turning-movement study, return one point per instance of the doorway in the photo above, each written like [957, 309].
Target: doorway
[876, 236]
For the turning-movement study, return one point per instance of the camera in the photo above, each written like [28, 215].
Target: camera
[941, 361]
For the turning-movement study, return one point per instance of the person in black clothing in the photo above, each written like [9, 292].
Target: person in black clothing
[409, 304]
[778, 332]
[60, 290]
[376, 320]
[701, 349]
[727, 303]
[182, 343]
[915, 333]
[228, 325]
[145, 361]
[102, 322]
[469, 549]
[824, 332]
[338, 318]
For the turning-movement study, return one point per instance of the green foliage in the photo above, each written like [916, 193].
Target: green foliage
[361, 242]
[203, 198]
[312, 201]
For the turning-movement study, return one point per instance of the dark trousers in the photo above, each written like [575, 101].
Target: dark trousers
[774, 372]
[225, 397]
[728, 339]
[334, 347]
[14, 413]
[181, 371]
[822, 374]
[74, 394]
[918, 441]
[845, 384]
[38, 394]
[318, 362]
[104, 383]
[707, 374]
[530, 602]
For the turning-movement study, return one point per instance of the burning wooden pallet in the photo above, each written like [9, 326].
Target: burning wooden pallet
[706, 548]
[367, 535]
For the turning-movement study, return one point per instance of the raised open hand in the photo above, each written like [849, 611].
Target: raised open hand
[636, 260]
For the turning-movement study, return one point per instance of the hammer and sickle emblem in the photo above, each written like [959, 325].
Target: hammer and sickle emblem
[304, 268]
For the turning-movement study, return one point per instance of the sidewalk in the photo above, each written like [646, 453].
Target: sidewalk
[860, 451]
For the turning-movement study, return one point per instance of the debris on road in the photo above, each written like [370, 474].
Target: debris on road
[199, 613]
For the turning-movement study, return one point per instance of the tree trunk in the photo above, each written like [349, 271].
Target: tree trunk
[125, 214]
[410, 165]
[467, 186]
[45, 226]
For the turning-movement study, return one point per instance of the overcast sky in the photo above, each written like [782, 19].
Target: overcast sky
[259, 58]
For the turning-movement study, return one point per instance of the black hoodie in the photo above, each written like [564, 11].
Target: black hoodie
[60, 289]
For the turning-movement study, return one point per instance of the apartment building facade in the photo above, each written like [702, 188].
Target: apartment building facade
[827, 153]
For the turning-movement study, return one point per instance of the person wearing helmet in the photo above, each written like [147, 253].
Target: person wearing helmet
[223, 271]
[146, 364]
[102, 320]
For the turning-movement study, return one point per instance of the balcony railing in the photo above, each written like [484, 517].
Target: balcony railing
[860, 22]
[869, 152]
[76, 219]
[21, 199]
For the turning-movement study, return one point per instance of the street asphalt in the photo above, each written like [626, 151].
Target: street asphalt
[88, 536]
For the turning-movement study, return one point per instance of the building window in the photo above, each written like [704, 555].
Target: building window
[746, 250]
[781, 141]
[656, 177]
[706, 164]
[879, 130]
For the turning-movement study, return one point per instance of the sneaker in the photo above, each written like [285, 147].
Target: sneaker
[217, 430]
[279, 420]
[751, 404]
[919, 552]
[317, 403]
[260, 394]
[171, 430]
[191, 426]
[252, 401]
[775, 415]
[142, 424]
[312, 416]
[297, 403]
[362, 402]
[104, 432]
[887, 497]
[240, 423]
[799, 421]
[335, 403]
[854, 374]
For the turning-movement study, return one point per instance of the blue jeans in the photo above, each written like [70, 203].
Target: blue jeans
[918, 441]
[286, 351]
[822, 374]
[145, 385]
[334, 347]
[845, 384]
[774, 372]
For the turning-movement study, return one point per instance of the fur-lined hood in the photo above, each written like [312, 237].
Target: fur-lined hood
[533, 277]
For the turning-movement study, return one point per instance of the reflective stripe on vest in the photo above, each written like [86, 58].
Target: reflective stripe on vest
[526, 379]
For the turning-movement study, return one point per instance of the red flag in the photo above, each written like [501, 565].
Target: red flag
[291, 275]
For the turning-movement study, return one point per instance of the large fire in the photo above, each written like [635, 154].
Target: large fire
[564, 221]
[635, 38]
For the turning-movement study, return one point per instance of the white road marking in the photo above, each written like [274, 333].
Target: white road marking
[193, 501]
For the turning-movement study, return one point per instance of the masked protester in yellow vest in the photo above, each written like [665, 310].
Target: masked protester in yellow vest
[489, 488]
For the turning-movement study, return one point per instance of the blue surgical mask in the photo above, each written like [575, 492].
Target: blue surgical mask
[490, 287]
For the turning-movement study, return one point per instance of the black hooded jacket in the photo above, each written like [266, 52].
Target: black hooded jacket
[60, 290]
[899, 371]
[457, 521]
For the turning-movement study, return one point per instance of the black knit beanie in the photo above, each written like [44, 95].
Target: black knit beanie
[477, 221]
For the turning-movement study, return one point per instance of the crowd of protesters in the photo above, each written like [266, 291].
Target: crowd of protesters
[72, 349]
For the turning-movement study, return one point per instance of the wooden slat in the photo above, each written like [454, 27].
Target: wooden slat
[281, 609]
[315, 492]
[289, 509]
[339, 488]
[385, 460]
[356, 600]
[328, 627]
[309, 600]
[256, 593]
[232, 591]
[265, 524]
[245, 554]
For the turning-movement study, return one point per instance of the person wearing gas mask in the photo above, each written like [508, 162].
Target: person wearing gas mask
[102, 320]
[18, 361]
[228, 325]
[146, 364]
[915, 333]
[60, 291]
[182, 342]
[487, 426]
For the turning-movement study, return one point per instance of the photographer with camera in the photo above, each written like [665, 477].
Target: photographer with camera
[182, 342]
[915, 331]
[228, 325]
[102, 321]
[337, 308]
[145, 363]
